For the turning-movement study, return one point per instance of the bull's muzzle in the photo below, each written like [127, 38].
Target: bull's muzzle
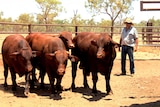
[29, 68]
[61, 71]
[71, 46]
[100, 55]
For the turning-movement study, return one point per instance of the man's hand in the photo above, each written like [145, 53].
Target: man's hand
[136, 48]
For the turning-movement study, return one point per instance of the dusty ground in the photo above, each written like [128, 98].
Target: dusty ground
[142, 90]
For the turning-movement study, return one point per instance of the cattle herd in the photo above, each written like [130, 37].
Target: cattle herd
[50, 54]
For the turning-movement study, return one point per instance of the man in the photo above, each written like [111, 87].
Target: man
[129, 43]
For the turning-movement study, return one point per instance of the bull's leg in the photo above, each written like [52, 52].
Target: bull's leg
[107, 78]
[85, 83]
[5, 75]
[42, 74]
[26, 91]
[34, 74]
[13, 76]
[58, 84]
[51, 80]
[74, 72]
[108, 87]
[52, 86]
[33, 80]
[94, 79]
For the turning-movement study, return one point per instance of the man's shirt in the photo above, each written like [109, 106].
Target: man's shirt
[129, 36]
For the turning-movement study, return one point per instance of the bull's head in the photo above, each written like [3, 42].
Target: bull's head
[60, 57]
[23, 57]
[104, 44]
[67, 39]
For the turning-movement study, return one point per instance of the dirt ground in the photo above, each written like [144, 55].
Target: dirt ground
[141, 90]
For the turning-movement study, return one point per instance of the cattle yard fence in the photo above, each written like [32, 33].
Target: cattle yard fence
[149, 35]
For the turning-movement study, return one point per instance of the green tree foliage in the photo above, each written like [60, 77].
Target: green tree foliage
[113, 8]
[49, 10]
[25, 18]
[1, 14]
[5, 27]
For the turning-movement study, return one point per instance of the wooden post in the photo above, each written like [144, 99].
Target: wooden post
[76, 30]
[143, 35]
[29, 28]
[149, 32]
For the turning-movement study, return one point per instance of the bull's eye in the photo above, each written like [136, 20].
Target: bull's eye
[65, 62]
[22, 58]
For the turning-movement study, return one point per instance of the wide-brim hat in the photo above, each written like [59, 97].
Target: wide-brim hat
[128, 20]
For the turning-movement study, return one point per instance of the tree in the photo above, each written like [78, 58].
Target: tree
[25, 18]
[1, 14]
[49, 10]
[113, 8]
[5, 27]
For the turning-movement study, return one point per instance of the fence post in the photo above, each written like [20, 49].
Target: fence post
[149, 32]
[29, 28]
[76, 30]
[143, 35]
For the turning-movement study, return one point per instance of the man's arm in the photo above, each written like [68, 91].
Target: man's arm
[120, 41]
[136, 45]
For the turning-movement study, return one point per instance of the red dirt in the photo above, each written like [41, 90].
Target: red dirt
[141, 90]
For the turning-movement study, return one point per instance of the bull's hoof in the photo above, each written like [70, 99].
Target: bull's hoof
[42, 86]
[94, 91]
[14, 88]
[26, 93]
[86, 86]
[5, 86]
[73, 86]
[59, 88]
[53, 92]
[109, 93]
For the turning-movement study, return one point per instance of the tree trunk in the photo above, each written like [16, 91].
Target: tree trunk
[112, 28]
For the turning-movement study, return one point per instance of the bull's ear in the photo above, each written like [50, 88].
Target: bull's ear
[36, 53]
[115, 44]
[93, 42]
[14, 55]
[50, 55]
[73, 58]
[62, 37]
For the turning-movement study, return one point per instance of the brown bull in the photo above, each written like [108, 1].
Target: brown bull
[33, 39]
[53, 59]
[96, 53]
[16, 54]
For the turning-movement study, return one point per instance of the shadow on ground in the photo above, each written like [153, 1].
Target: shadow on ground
[150, 104]
[88, 95]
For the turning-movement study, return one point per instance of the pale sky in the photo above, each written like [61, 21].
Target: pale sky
[13, 8]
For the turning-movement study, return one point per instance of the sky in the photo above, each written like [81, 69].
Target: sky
[13, 8]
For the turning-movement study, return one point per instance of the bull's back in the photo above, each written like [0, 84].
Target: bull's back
[83, 41]
[53, 44]
[13, 43]
[36, 41]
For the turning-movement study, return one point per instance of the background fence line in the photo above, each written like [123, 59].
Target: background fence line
[149, 35]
